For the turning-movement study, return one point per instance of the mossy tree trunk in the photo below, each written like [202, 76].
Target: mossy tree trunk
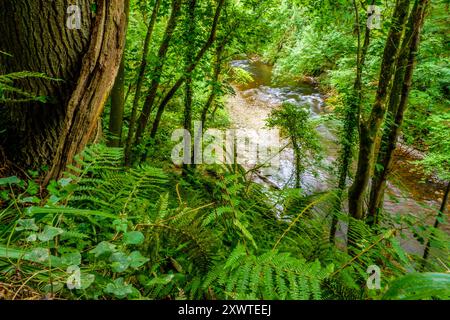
[398, 102]
[369, 128]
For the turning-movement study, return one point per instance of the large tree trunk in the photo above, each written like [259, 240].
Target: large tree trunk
[397, 106]
[369, 129]
[36, 34]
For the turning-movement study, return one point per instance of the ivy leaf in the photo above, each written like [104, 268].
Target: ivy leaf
[71, 259]
[136, 259]
[119, 288]
[119, 261]
[49, 233]
[133, 237]
[38, 255]
[31, 238]
[86, 280]
[103, 247]
[26, 224]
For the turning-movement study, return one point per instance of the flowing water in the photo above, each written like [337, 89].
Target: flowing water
[250, 107]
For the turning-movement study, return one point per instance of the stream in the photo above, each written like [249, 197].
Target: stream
[249, 108]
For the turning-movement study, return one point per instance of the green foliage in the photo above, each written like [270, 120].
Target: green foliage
[418, 286]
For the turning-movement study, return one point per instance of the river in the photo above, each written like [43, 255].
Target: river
[250, 107]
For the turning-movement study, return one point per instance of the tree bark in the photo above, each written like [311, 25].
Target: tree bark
[397, 106]
[36, 36]
[369, 129]
[98, 70]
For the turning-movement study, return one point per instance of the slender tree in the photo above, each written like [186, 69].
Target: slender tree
[190, 56]
[140, 82]
[352, 116]
[206, 46]
[157, 71]
[398, 102]
[439, 218]
[369, 128]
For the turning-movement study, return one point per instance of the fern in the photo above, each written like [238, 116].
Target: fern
[272, 275]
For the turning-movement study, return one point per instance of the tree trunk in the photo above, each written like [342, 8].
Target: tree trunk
[439, 217]
[190, 56]
[157, 72]
[369, 129]
[140, 82]
[397, 106]
[215, 83]
[38, 37]
[352, 116]
[117, 107]
[182, 79]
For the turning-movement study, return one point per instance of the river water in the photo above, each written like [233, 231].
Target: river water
[250, 107]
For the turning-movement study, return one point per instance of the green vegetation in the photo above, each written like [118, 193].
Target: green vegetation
[93, 207]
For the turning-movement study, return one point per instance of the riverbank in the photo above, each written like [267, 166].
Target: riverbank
[409, 190]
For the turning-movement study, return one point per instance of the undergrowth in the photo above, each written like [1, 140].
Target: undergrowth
[106, 232]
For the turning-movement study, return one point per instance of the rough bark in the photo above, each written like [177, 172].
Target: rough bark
[86, 59]
[397, 106]
[369, 128]
[36, 36]
[98, 70]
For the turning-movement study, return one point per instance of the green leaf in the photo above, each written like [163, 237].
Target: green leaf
[419, 286]
[133, 237]
[64, 182]
[71, 259]
[49, 233]
[119, 261]
[120, 225]
[102, 248]
[26, 224]
[30, 200]
[38, 255]
[86, 280]
[32, 188]
[136, 259]
[119, 288]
